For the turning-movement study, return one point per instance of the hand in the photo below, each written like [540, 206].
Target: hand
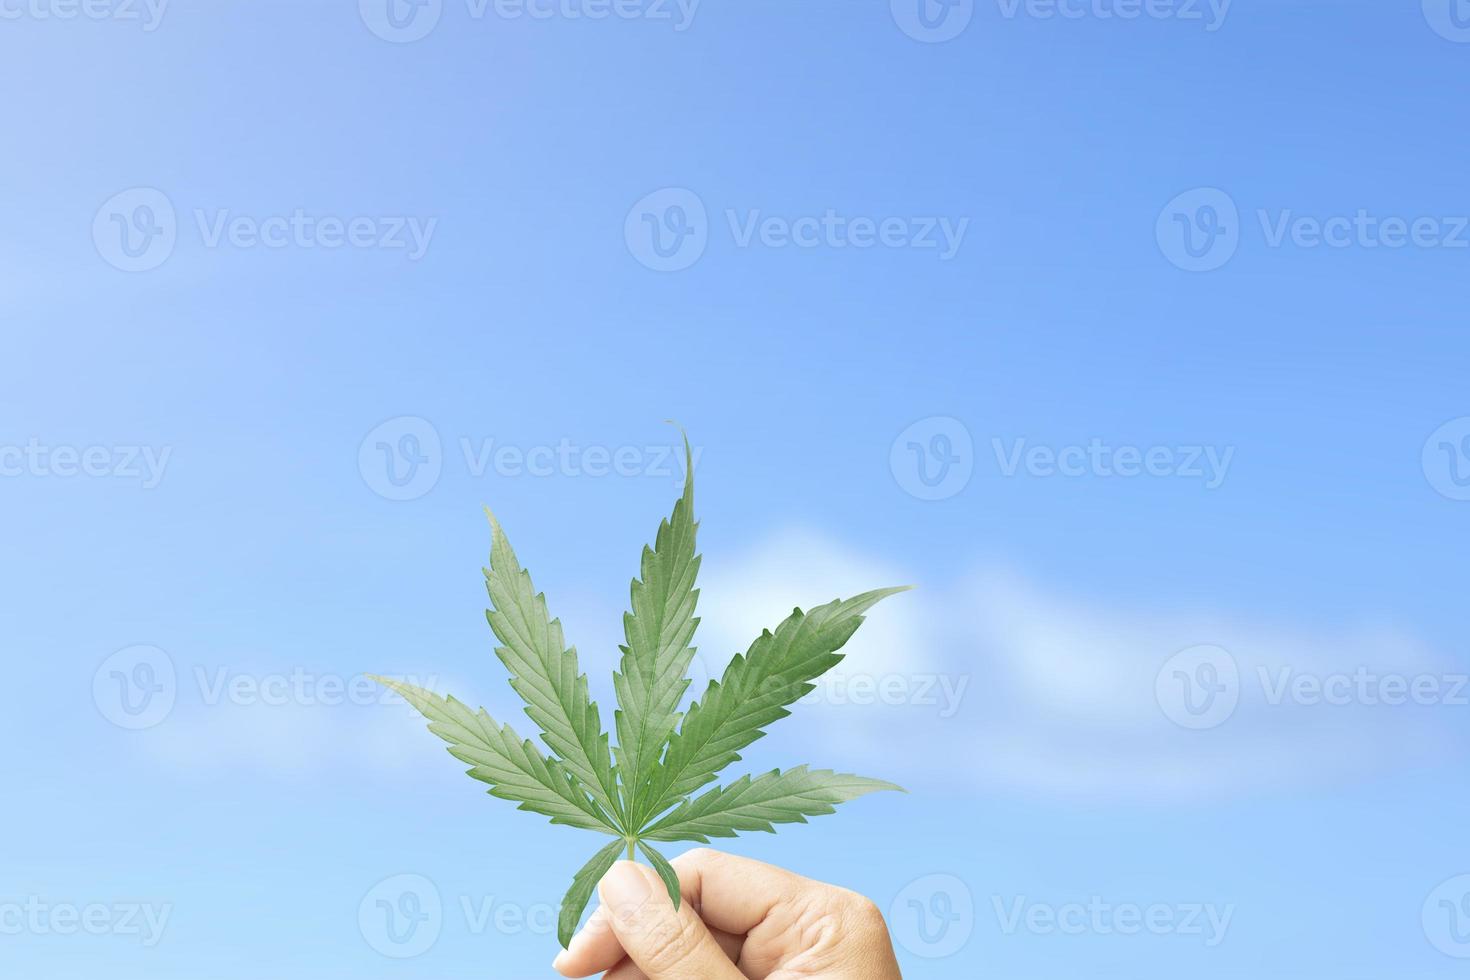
[739, 920]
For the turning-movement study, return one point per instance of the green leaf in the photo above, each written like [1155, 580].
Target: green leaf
[755, 804]
[756, 690]
[665, 871]
[642, 791]
[511, 765]
[658, 629]
[584, 883]
[544, 672]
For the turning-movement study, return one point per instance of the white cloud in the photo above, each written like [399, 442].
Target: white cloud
[1058, 695]
[756, 590]
[990, 684]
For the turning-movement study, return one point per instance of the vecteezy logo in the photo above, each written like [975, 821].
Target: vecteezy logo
[135, 688]
[934, 916]
[401, 916]
[1449, 18]
[1199, 230]
[1199, 687]
[402, 458]
[401, 21]
[136, 230]
[933, 458]
[1446, 459]
[1446, 917]
[667, 230]
[933, 21]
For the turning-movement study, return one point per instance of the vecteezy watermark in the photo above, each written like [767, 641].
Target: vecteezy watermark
[936, 21]
[669, 230]
[1445, 917]
[1099, 917]
[834, 230]
[1200, 230]
[405, 21]
[1450, 19]
[300, 687]
[144, 464]
[138, 230]
[1210, 13]
[571, 459]
[1208, 464]
[933, 458]
[932, 21]
[1363, 229]
[403, 458]
[1200, 687]
[933, 917]
[33, 916]
[1446, 459]
[943, 692]
[1362, 686]
[146, 13]
[137, 688]
[403, 916]
[401, 21]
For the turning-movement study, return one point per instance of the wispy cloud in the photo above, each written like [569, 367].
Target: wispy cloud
[995, 683]
[992, 683]
[297, 739]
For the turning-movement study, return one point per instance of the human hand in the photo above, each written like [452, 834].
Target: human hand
[739, 920]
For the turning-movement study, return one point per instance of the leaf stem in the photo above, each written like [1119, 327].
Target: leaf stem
[631, 855]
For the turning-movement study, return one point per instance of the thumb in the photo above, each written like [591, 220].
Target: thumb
[664, 943]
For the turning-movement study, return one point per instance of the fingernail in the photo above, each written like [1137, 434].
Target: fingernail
[596, 923]
[624, 889]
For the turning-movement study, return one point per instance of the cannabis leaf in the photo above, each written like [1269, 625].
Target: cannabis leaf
[583, 885]
[545, 674]
[756, 691]
[754, 804]
[662, 758]
[656, 657]
[510, 764]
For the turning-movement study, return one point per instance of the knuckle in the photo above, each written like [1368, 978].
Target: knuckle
[699, 857]
[838, 918]
[865, 915]
[673, 943]
[834, 928]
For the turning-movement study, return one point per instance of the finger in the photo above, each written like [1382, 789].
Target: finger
[735, 894]
[593, 950]
[596, 949]
[628, 970]
[732, 894]
[666, 944]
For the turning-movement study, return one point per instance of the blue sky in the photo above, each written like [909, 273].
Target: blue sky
[922, 305]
